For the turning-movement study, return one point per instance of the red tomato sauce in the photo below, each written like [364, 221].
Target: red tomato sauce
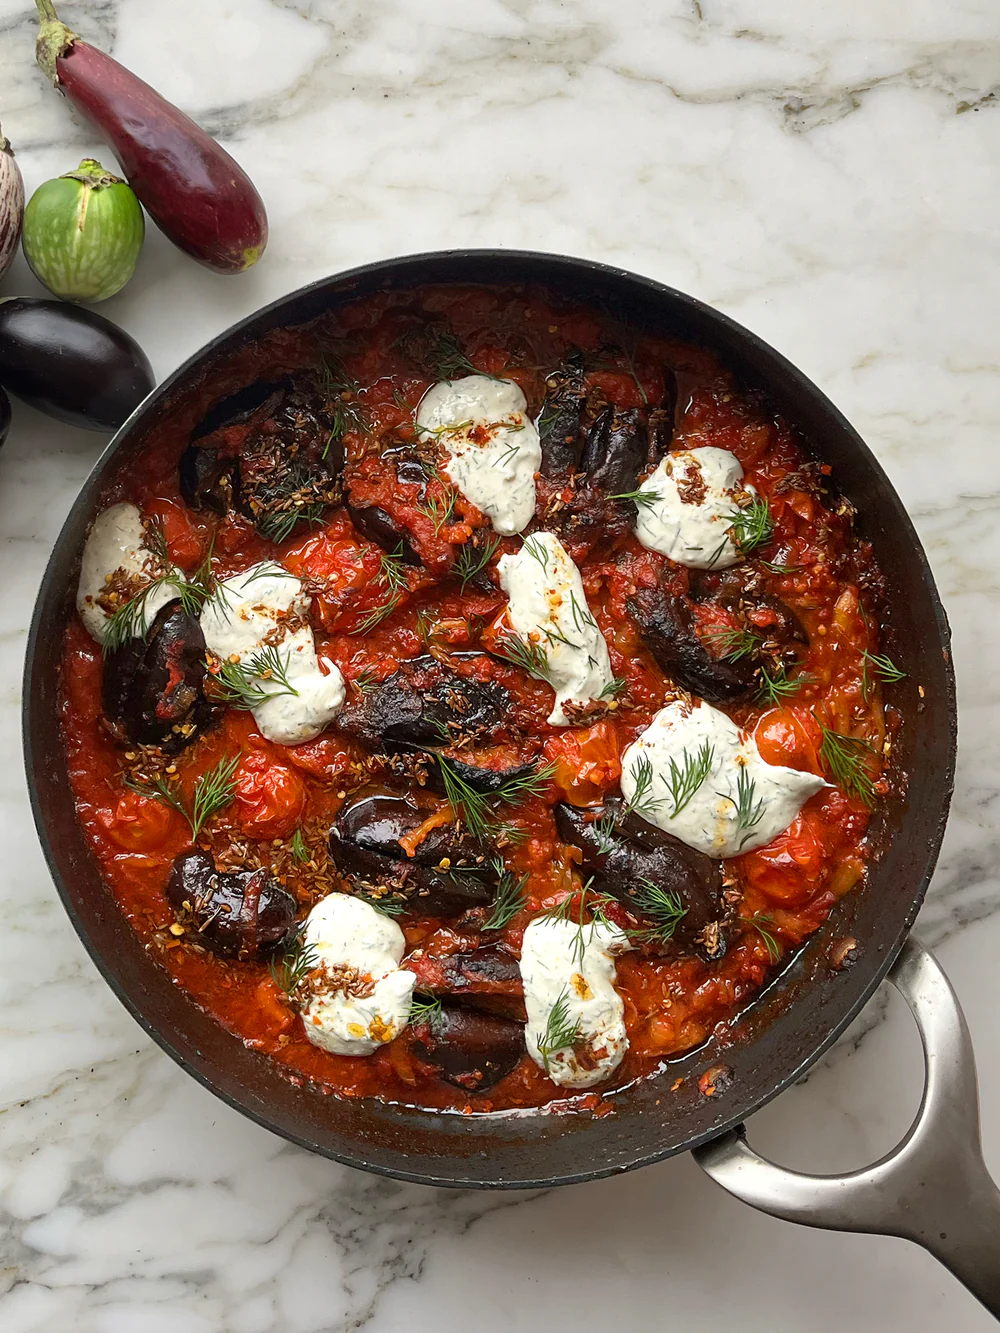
[672, 1003]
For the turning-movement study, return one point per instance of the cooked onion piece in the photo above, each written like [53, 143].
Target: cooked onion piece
[693, 773]
[548, 613]
[493, 448]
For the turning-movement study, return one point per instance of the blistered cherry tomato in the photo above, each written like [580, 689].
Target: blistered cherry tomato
[137, 823]
[270, 797]
[587, 763]
[790, 736]
[792, 867]
[185, 542]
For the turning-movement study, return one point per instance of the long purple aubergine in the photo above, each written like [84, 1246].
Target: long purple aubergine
[192, 189]
[11, 205]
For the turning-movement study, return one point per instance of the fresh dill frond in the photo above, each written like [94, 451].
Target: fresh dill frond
[644, 499]
[365, 681]
[279, 524]
[509, 898]
[538, 552]
[561, 1031]
[449, 428]
[664, 909]
[376, 615]
[447, 359]
[736, 644]
[477, 810]
[212, 792]
[526, 654]
[883, 667]
[472, 559]
[848, 761]
[290, 968]
[343, 401]
[642, 801]
[426, 1010]
[770, 939]
[241, 684]
[132, 620]
[604, 832]
[438, 511]
[777, 685]
[685, 778]
[751, 526]
[297, 846]
[749, 810]
[389, 904]
[776, 568]
[615, 686]
[583, 618]
[392, 569]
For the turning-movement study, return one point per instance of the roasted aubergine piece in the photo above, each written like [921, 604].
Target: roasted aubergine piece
[487, 978]
[472, 1050]
[244, 914]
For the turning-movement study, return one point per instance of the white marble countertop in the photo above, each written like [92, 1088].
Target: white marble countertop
[828, 174]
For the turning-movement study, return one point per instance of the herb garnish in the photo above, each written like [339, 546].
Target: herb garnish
[735, 643]
[131, 620]
[448, 361]
[525, 653]
[297, 847]
[642, 800]
[749, 810]
[212, 792]
[848, 761]
[778, 685]
[560, 1030]
[476, 810]
[473, 558]
[769, 938]
[241, 683]
[644, 499]
[290, 968]
[885, 669]
[342, 393]
[685, 779]
[426, 1011]
[509, 899]
[752, 527]
[664, 909]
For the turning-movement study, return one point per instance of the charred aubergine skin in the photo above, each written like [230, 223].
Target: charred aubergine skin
[194, 191]
[70, 363]
[365, 846]
[667, 629]
[486, 978]
[152, 688]
[472, 1050]
[637, 853]
[245, 915]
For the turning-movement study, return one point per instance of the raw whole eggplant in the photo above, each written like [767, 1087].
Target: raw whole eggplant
[448, 872]
[559, 419]
[423, 702]
[245, 914]
[193, 190]
[636, 854]
[667, 628]
[474, 1051]
[152, 688]
[11, 205]
[488, 978]
[4, 417]
[71, 363]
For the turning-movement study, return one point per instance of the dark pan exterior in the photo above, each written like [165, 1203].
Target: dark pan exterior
[802, 1012]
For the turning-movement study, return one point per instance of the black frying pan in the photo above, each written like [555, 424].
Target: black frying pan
[791, 1024]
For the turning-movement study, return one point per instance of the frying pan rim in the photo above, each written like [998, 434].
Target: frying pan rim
[396, 267]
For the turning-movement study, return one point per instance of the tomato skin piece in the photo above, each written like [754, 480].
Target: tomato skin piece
[185, 540]
[587, 763]
[790, 869]
[138, 823]
[790, 736]
[270, 797]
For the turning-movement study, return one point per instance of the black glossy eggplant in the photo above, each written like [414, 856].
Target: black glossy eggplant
[667, 628]
[471, 1050]
[71, 363]
[615, 451]
[448, 872]
[4, 417]
[423, 704]
[240, 407]
[379, 527]
[245, 914]
[634, 855]
[559, 419]
[152, 688]
[662, 419]
[487, 978]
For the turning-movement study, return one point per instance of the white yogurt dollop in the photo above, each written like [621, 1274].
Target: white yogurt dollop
[266, 607]
[367, 1002]
[740, 803]
[116, 544]
[548, 610]
[573, 974]
[690, 518]
[493, 448]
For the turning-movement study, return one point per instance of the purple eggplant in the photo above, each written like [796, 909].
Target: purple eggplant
[11, 205]
[471, 1050]
[71, 363]
[244, 914]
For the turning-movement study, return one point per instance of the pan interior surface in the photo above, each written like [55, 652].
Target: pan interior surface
[790, 1025]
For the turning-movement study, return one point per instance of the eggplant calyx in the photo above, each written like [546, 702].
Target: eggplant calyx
[54, 40]
[90, 172]
[5, 144]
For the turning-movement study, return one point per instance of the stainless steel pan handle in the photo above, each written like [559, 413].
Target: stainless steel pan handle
[933, 1188]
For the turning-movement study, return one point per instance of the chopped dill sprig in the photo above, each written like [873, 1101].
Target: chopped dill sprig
[377, 614]
[644, 499]
[438, 511]
[615, 686]
[290, 968]
[473, 558]
[774, 567]
[884, 668]
[604, 832]
[508, 900]
[573, 909]
[538, 552]
[132, 620]
[389, 904]
[279, 524]
[735, 644]
[561, 1032]
[392, 568]
[848, 761]
[477, 810]
[447, 359]
[365, 681]
[526, 654]
[685, 778]
[749, 810]
[241, 684]
[582, 616]
[664, 909]
[297, 846]
[426, 1010]
[342, 394]
[642, 801]
[212, 792]
[752, 526]
[770, 939]
[777, 685]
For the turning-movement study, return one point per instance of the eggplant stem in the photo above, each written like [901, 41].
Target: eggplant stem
[54, 39]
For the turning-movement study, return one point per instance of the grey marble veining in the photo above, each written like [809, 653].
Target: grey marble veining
[827, 174]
